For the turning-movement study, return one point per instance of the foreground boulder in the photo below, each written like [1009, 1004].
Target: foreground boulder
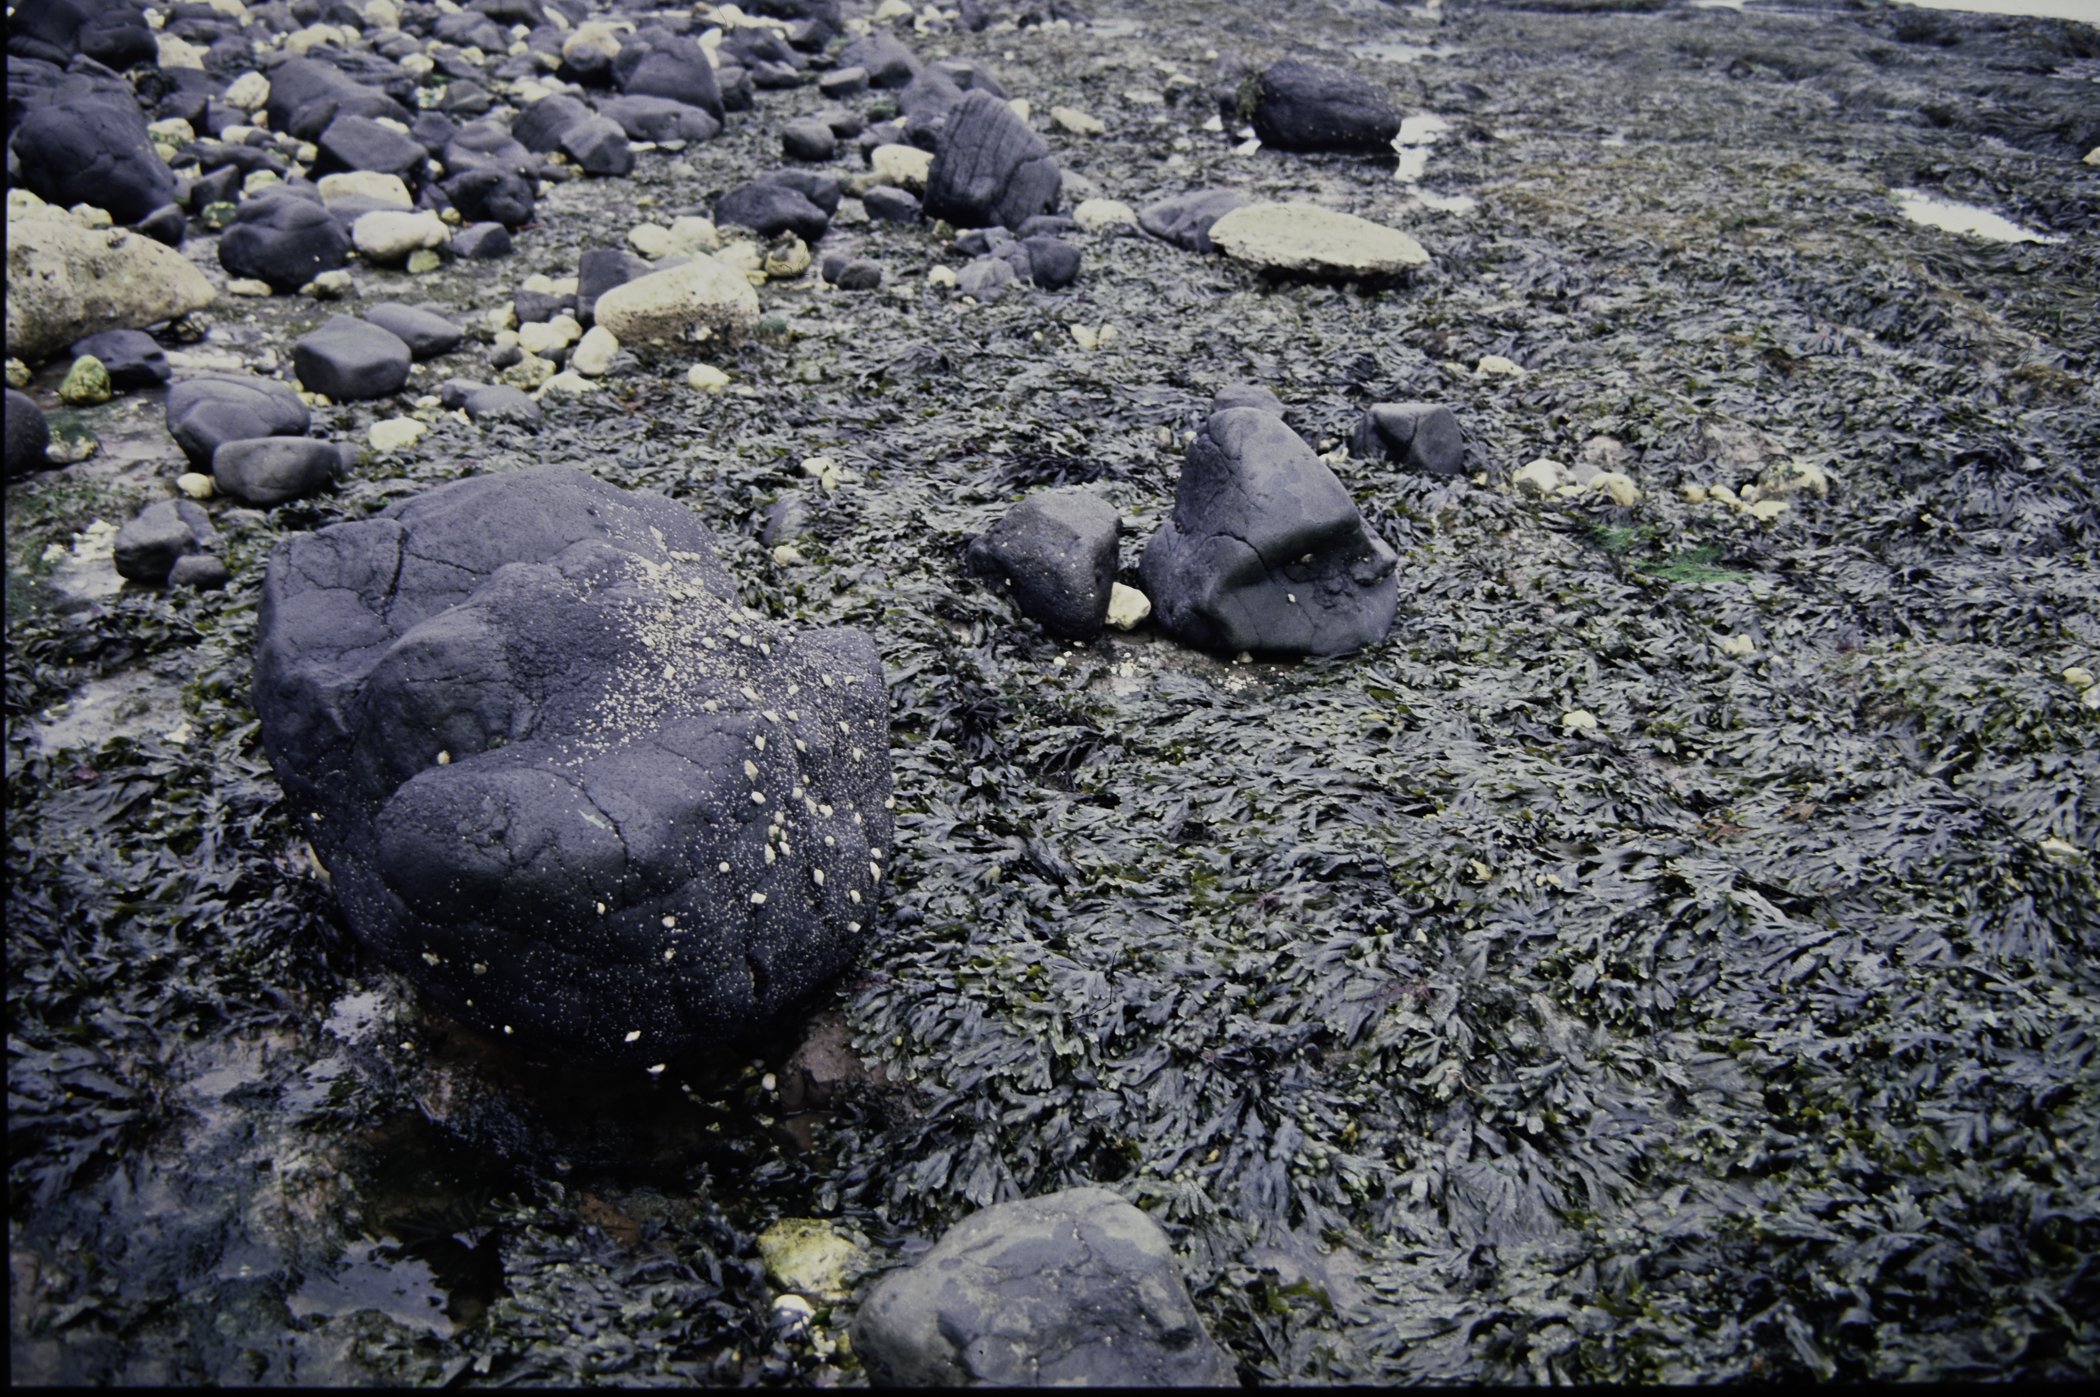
[1305, 106]
[1077, 1288]
[93, 151]
[1265, 550]
[1420, 436]
[989, 167]
[1056, 553]
[560, 779]
[66, 282]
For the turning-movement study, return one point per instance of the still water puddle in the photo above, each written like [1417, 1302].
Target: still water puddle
[131, 704]
[401, 1288]
[1977, 222]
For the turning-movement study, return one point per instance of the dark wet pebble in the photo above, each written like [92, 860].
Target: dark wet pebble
[1309, 107]
[200, 572]
[147, 547]
[770, 209]
[888, 204]
[286, 241]
[599, 147]
[266, 471]
[808, 139]
[598, 271]
[360, 143]
[844, 82]
[481, 241]
[1052, 262]
[350, 360]
[133, 357]
[859, 275]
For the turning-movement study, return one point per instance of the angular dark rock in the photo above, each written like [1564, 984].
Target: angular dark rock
[205, 411]
[887, 62]
[426, 333]
[133, 358]
[539, 128]
[95, 151]
[480, 241]
[500, 400]
[1305, 106]
[1072, 1289]
[1185, 219]
[808, 139]
[844, 82]
[149, 545]
[520, 719]
[889, 204]
[27, 435]
[771, 209]
[200, 572]
[1265, 550]
[350, 360]
[598, 146]
[493, 197]
[985, 278]
[660, 119]
[1056, 554]
[599, 270]
[823, 190]
[267, 471]
[286, 241]
[1421, 436]
[166, 224]
[360, 143]
[989, 167]
[676, 68]
[1052, 262]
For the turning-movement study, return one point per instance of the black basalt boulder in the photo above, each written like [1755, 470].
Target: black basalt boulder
[1265, 550]
[93, 151]
[211, 409]
[560, 779]
[1420, 436]
[989, 167]
[1305, 106]
[1055, 552]
[286, 241]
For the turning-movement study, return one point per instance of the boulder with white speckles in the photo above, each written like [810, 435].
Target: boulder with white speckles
[560, 779]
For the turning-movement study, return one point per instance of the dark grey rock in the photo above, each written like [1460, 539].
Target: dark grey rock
[989, 167]
[1421, 436]
[1056, 554]
[518, 718]
[270, 470]
[505, 355]
[776, 77]
[1265, 550]
[860, 274]
[676, 68]
[1252, 395]
[350, 360]
[888, 204]
[1305, 106]
[94, 150]
[598, 271]
[492, 197]
[200, 572]
[786, 518]
[479, 241]
[1185, 219]
[832, 263]
[808, 139]
[211, 409]
[535, 307]
[426, 333]
[885, 60]
[1042, 224]
[27, 435]
[1052, 262]
[926, 102]
[166, 224]
[660, 119]
[434, 131]
[286, 241]
[844, 124]
[133, 357]
[823, 190]
[540, 127]
[739, 93]
[770, 209]
[220, 186]
[360, 143]
[844, 82]
[985, 278]
[503, 402]
[148, 546]
[1077, 1288]
[970, 75]
[599, 147]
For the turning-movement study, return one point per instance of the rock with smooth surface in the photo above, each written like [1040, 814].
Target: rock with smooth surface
[1072, 1289]
[1310, 107]
[27, 435]
[1055, 554]
[267, 471]
[95, 151]
[284, 242]
[212, 409]
[148, 546]
[561, 780]
[770, 208]
[350, 360]
[1420, 436]
[599, 147]
[426, 333]
[1265, 550]
[66, 282]
[360, 143]
[391, 236]
[664, 306]
[1316, 241]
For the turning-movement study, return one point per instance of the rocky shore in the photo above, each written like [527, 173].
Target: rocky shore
[829, 692]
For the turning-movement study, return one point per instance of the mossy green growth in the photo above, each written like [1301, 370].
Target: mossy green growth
[1693, 565]
[87, 383]
[806, 1256]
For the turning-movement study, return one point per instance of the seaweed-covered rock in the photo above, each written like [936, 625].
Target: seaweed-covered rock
[560, 779]
[1265, 550]
[149, 546]
[27, 434]
[1056, 551]
[211, 409]
[1077, 1288]
[1306, 106]
[989, 167]
[1421, 436]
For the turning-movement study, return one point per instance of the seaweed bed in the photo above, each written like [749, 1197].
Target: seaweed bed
[1751, 1032]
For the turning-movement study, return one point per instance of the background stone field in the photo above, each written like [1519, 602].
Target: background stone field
[1746, 1030]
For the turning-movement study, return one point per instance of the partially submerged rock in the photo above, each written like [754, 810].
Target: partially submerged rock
[560, 779]
[1265, 550]
[1077, 1288]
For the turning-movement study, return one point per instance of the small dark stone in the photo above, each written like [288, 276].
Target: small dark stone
[210, 409]
[1185, 219]
[859, 275]
[886, 203]
[147, 547]
[808, 139]
[677, 68]
[534, 307]
[844, 82]
[199, 571]
[433, 131]
[501, 401]
[360, 143]
[825, 191]
[598, 271]
[885, 60]
[832, 264]
[350, 360]
[540, 127]
[1045, 223]
[985, 278]
[660, 119]
[481, 240]
[494, 197]
[1420, 436]
[844, 124]
[133, 357]
[27, 435]
[1052, 262]
[270, 470]
[284, 240]
[426, 333]
[505, 355]
[215, 187]
[1056, 553]
[166, 224]
[771, 209]
[599, 147]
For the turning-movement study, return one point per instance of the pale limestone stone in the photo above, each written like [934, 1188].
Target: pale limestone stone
[394, 433]
[1308, 238]
[594, 352]
[65, 282]
[1096, 215]
[901, 165]
[372, 184]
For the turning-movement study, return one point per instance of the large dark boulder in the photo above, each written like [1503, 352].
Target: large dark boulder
[1056, 554]
[1265, 550]
[1420, 436]
[93, 151]
[1305, 106]
[27, 435]
[212, 409]
[560, 779]
[1072, 1289]
[989, 167]
[286, 241]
